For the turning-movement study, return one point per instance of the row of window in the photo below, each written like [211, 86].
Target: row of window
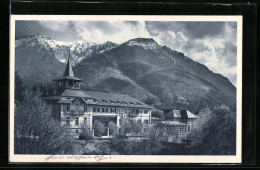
[183, 129]
[85, 120]
[106, 110]
[145, 130]
[139, 121]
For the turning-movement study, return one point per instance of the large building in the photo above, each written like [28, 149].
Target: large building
[81, 109]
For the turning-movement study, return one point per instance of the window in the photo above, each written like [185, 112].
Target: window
[103, 110]
[125, 110]
[189, 128]
[94, 109]
[85, 108]
[145, 130]
[146, 122]
[145, 111]
[98, 110]
[68, 107]
[77, 106]
[70, 83]
[139, 121]
[113, 110]
[85, 120]
[77, 121]
[77, 132]
[106, 110]
[68, 121]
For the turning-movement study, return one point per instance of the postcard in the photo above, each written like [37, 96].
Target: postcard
[125, 89]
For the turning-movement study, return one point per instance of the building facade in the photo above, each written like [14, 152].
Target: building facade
[81, 109]
[183, 122]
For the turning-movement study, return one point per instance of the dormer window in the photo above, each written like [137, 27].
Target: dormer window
[138, 103]
[104, 101]
[113, 102]
[131, 103]
[124, 102]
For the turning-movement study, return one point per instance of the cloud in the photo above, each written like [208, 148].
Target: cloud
[118, 32]
[210, 43]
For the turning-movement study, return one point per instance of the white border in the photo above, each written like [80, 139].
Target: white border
[129, 158]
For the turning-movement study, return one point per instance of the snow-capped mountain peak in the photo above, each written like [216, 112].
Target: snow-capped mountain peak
[61, 49]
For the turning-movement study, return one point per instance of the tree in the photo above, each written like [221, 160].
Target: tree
[126, 127]
[157, 113]
[112, 128]
[19, 87]
[34, 88]
[36, 131]
[99, 128]
[136, 127]
[149, 100]
[215, 133]
[86, 133]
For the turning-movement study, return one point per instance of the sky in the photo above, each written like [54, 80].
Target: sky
[213, 44]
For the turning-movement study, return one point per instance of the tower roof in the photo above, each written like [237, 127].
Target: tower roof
[68, 70]
[68, 73]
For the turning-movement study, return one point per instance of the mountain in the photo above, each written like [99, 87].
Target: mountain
[78, 49]
[139, 67]
[143, 69]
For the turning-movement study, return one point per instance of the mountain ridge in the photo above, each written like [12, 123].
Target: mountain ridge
[139, 67]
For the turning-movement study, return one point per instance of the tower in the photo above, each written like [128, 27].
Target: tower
[68, 80]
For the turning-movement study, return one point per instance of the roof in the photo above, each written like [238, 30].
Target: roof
[180, 114]
[68, 70]
[68, 77]
[75, 93]
[105, 99]
[68, 73]
[191, 115]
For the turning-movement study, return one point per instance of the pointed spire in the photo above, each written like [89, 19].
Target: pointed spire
[68, 70]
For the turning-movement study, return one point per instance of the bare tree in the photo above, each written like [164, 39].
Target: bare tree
[36, 132]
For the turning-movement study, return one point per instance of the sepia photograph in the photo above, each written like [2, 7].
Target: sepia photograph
[125, 89]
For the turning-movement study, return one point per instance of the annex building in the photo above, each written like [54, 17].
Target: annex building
[80, 109]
